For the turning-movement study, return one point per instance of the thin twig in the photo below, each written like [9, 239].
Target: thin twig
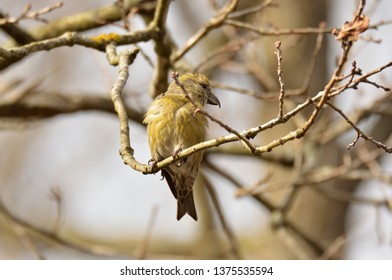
[360, 8]
[278, 32]
[94, 249]
[213, 23]
[162, 49]
[252, 10]
[360, 133]
[229, 233]
[226, 175]
[29, 14]
[146, 241]
[336, 245]
[278, 53]
[24, 238]
[223, 53]
[17, 33]
[300, 132]
[56, 195]
[313, 60]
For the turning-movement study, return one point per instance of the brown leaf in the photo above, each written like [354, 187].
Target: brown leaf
[350, 30]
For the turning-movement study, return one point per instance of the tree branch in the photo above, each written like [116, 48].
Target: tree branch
[213, 23]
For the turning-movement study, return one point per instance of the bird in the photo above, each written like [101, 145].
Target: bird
[173, 124]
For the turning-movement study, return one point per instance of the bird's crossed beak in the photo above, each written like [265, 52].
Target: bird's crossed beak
[213, 100]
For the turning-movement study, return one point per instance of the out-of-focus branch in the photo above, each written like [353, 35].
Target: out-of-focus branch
[146, 241]
[280, 31]
[313, 62]
[226, 175]
[230, 235]
[84, 20]
[21, 233]
[223, 53]
[278, 218]
[46, 105]
[213, 23]
[285, 160]
[55, 237]
[252, 10]
[9, 56]
[357, 116]
[61, 32]
[29, 14]
[17, 33]
[360, 133]
[339, 242]
[162, 49]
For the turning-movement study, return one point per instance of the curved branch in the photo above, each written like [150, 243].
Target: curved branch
[125, 59]
[72, 38]
[45, 105]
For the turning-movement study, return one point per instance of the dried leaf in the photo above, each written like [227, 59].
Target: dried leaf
[350, 30]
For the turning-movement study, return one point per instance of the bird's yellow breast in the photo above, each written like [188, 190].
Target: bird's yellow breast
[172, 124]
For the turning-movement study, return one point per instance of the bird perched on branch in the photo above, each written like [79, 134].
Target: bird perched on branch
[174, 124]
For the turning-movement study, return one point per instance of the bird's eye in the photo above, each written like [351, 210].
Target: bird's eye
[204, 86]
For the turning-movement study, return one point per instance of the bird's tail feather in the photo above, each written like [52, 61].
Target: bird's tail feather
[188, 206]
[184, 204]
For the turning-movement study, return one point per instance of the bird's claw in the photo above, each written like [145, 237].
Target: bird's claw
[153, 164]
[176, 152]
[175, 155]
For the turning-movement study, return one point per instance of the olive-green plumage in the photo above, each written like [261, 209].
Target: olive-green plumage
[173, 125]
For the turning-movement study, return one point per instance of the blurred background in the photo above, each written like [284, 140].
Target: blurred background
[65, 192]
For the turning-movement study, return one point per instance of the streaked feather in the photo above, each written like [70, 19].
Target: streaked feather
[173, 125]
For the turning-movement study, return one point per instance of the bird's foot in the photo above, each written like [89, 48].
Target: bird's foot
[175, 153]
[153, 164]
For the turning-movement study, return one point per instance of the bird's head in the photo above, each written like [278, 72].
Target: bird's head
[198, 88]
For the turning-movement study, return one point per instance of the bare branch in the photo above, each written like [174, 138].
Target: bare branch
[85, 20]
[252, 10]
[278, 53]
[146, 241]
[278, 32]
[162, 49]
[42, 104]
[360, 133]
[94, 249]
[70, 39]
[336, 246]
[212, 24]
[17, 33]
[225, 225]
[126, 58]
[29, 14]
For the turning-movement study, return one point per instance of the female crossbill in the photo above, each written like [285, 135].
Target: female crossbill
[173, 125]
